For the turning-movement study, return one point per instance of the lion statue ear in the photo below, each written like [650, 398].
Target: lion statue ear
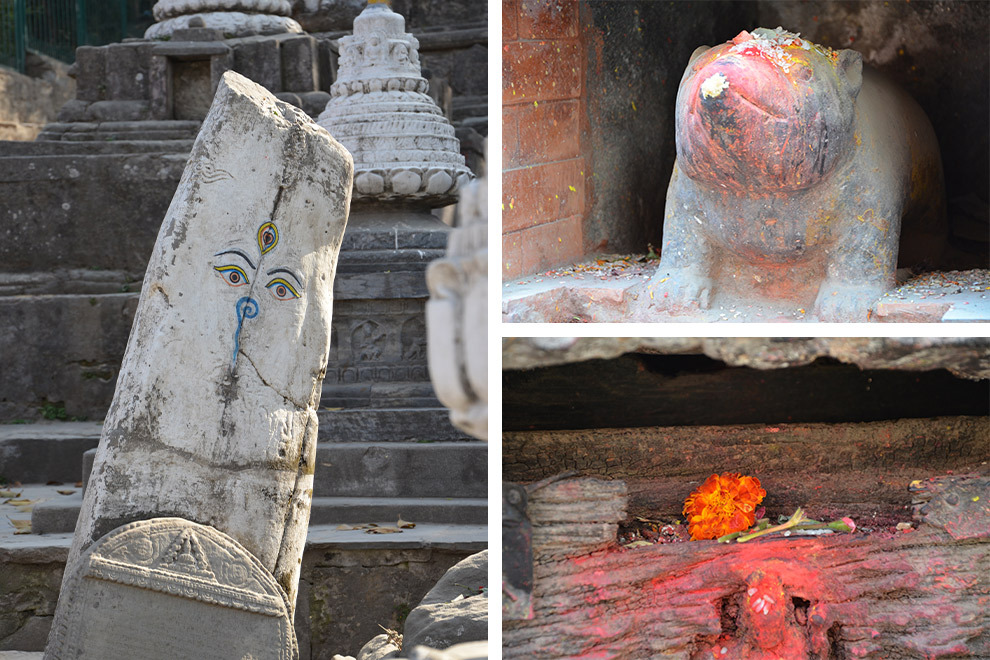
[698, 52]
[850, 69]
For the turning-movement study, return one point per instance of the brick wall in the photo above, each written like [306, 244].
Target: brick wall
[543, 108]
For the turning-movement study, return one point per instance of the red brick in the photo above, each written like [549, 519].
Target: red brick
[510, 135]
[540, 71]
[510, 20]
[542, 193]
[546, 133]
[548, 19]
[539, 248]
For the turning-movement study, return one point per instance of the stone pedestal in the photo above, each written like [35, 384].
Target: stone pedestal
[234, 18]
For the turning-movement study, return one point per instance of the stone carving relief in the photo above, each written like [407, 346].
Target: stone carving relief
[158, 573]
[368, 341]
[413, 339]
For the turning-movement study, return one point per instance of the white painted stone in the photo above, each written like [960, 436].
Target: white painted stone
[380, 111]
[168, 588]
[214, 416]
[457, 316]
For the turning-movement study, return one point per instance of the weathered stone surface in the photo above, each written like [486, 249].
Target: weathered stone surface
[62, 352]
[299, 63]
[90, 69]
[126, 186]
[239, 287]
[808, 207]
[391, 469]
[403, 147]
[376, 587]
[378, 647]
[258, 59]
[126, 76]
[187, 591]
[37, 453]
[402, 567]
[457, 316]
[32, 99]
[966, 357]
[455, 610]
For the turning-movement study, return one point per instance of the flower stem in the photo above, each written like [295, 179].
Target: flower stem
[795, 519]
[762, 523]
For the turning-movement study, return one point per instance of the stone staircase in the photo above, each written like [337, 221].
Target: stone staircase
[372, 466]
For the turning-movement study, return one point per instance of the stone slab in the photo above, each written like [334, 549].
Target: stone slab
[45, 452]
[398, 469]
[179, 583]
[443, 510]
[58, 515]
[46, 195]
[614, 289]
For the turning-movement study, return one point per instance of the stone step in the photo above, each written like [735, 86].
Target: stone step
[377, 395]
[387, 425]
[452, 510]
[46, 451]
[58, 514]
[362, 462]
[399, 469]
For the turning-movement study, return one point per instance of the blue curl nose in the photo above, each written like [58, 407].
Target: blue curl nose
[246, 308]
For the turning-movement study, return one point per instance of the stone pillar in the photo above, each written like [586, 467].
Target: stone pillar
[233, 18]
[214, 418]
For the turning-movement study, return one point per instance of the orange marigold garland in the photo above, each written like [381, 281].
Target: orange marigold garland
[723, 505]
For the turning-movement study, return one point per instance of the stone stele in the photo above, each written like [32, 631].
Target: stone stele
[165, 588]
[214, 416]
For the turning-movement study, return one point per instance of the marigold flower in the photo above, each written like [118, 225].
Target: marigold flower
[723, 505]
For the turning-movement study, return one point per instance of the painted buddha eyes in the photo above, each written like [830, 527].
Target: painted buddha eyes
[284, 283]
[282, 290]
[232, 275]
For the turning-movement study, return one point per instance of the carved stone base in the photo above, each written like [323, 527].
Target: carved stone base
[230, 23]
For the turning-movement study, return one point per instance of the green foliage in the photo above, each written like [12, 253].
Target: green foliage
[54, 412]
